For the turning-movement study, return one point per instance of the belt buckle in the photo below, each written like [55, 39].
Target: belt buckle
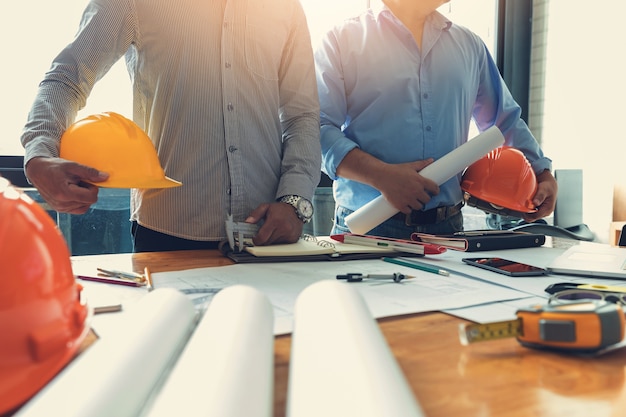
[441, 214]
[412, 219]
[416, 218]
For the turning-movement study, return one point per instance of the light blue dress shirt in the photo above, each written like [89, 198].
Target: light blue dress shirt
[381, 93]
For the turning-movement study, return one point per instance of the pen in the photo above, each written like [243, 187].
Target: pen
[417, 265]
[356, 277]
[111, 280]
[148, 276]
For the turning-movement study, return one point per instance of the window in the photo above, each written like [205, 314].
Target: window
[580, 108]
[50, 27]
[322, 15]
[43, 28]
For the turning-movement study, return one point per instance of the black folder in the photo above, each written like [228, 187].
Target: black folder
[483, 240]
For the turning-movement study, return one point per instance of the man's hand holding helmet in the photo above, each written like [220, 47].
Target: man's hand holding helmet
[545, 197]
[65, 185]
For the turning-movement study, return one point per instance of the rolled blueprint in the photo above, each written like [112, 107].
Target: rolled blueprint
[379, 210]
[116, 375]
[227, 368]
[340, 362]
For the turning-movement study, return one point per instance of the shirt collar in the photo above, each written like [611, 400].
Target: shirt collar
[435, 19]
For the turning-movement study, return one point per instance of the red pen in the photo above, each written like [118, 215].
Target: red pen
[400, 245]
[110, 280]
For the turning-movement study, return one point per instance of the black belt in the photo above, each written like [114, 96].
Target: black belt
[432, 216]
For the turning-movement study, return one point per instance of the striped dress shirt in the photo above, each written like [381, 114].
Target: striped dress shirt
[225, 89]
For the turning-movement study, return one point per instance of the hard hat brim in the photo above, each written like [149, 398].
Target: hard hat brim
[165, 182]
[515, 207]
[490, 207]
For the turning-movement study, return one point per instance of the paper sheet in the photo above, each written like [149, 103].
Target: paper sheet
[282, 282]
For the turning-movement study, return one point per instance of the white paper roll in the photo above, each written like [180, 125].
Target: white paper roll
[340, 363]
[116, 375]
[379, 210]
[227, 368]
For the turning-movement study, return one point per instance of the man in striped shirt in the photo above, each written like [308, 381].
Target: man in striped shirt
[226, 91]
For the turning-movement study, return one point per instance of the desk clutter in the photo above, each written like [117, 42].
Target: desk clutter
[169, 353]
[327, 248]
[222, 364]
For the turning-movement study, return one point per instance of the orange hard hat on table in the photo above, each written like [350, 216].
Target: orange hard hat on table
[114, 144]
[42, 318]
[502, 180]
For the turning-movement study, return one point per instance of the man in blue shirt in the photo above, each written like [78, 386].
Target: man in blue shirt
[398, 88]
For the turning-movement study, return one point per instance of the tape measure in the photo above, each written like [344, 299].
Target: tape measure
[562, 286]
[583, 326]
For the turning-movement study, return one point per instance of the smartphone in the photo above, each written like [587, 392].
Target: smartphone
[506, 267]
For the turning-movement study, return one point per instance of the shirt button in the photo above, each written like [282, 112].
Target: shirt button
[229, 191]
[232, 148]
[230, 107]
[428, 128]
[425, 95]
[227, 65]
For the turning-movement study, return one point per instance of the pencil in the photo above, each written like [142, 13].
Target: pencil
[417, 265]
[111, 280]
[148, 276]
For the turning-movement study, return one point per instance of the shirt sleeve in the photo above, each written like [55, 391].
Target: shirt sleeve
[333, 106]
[495, 105]
[104, 35]
[299, 113]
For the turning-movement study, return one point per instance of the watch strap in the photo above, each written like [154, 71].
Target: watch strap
[294, 201]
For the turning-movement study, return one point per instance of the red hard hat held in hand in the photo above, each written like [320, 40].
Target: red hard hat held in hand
[42, 318]
[501, 182]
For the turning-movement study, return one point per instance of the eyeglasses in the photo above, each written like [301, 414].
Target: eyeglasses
[575, 295]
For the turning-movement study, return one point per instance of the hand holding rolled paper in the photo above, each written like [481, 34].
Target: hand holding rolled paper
[379, 210]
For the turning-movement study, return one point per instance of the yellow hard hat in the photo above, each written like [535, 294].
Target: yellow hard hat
[111, 143]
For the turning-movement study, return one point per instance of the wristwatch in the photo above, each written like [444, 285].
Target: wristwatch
[304, 208]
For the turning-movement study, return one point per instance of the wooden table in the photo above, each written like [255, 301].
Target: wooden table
[498, 378]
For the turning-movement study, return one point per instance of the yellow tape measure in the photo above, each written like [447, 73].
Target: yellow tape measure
[584, 326]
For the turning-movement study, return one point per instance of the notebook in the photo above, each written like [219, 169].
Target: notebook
[591, 259]
[317, 246]
[321, 248]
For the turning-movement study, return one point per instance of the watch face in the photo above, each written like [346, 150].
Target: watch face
[305, 208]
